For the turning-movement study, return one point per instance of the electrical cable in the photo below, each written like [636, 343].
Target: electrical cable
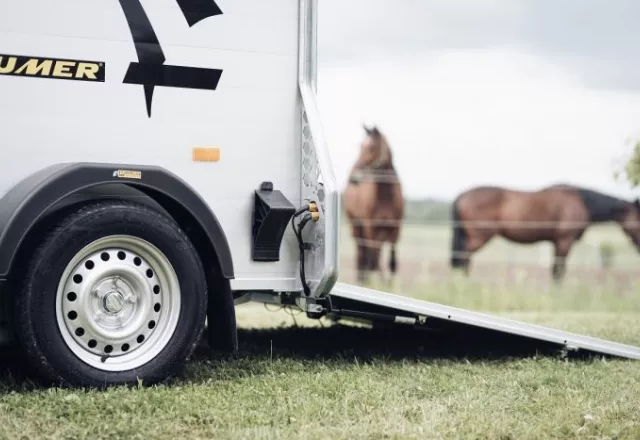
[302, 247]
[311, 211]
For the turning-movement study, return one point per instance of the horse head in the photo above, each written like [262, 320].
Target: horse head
[630, 222]
[374, 151]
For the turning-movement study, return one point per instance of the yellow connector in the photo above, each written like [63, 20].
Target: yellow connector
[315, 216]
[313, 207]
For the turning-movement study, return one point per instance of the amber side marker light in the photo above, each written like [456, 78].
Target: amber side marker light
[206, 154]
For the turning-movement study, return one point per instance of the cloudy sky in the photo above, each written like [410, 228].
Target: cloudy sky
[521, 93]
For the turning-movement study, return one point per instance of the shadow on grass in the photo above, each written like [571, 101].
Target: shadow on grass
[341, 346]
[396, 342]
[337, 346]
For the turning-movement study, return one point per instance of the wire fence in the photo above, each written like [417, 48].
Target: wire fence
[376, 175]
[590, 256]
[486, 224]
[424, 253]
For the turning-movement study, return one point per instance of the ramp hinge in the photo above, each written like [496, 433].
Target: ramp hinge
[315, 311]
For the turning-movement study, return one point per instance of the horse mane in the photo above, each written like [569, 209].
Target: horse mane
[385, 158]
[602, 207]
[381, 170]
[383, 162]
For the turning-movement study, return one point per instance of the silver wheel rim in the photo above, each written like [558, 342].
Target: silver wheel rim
[117, 303]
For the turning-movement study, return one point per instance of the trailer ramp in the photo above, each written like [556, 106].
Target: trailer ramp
[363, 303]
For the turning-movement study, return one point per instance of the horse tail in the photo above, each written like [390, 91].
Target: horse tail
[393, 264]
[459, 240]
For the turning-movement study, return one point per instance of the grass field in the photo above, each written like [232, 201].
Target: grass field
[295, 379]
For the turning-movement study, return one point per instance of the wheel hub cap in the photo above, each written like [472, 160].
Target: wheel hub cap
[113, 302]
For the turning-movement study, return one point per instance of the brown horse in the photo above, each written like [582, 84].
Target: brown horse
[374, 203]
[559, 214]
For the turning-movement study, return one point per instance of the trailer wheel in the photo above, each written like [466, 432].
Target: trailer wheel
[114, 294]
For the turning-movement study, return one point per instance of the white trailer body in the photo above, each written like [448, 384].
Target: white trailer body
[158, 162]
[196, 113]
[254, 116]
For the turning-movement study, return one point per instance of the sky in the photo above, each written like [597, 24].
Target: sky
[519, 93]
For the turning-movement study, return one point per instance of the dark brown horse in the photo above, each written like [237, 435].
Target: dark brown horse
[559, 214]
[373, 203]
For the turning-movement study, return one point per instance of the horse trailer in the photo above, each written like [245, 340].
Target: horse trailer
[163, 161]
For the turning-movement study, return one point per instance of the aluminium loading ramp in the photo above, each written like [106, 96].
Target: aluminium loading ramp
[410, 311]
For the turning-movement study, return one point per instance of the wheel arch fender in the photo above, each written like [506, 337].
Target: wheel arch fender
[26, 203]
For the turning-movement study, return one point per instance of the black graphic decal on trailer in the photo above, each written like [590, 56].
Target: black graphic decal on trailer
[150, 70]
[195, 11]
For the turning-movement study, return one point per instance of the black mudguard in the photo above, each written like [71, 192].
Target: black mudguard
[38, 194]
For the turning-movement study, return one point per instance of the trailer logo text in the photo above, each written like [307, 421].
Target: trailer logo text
[78, 70]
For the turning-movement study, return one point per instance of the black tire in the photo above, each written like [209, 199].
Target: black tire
[38, 335]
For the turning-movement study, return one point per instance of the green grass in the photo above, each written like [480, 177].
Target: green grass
[295, 379]
[341, 383]
[255, 397]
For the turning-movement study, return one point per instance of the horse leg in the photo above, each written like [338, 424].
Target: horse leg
[393, 235]
[562, 248]
[368, 250]
[365, 268]
[374, 257]
[475, 242]
[361, 251]
[362, 263]
[393, 264]
[385, 279]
